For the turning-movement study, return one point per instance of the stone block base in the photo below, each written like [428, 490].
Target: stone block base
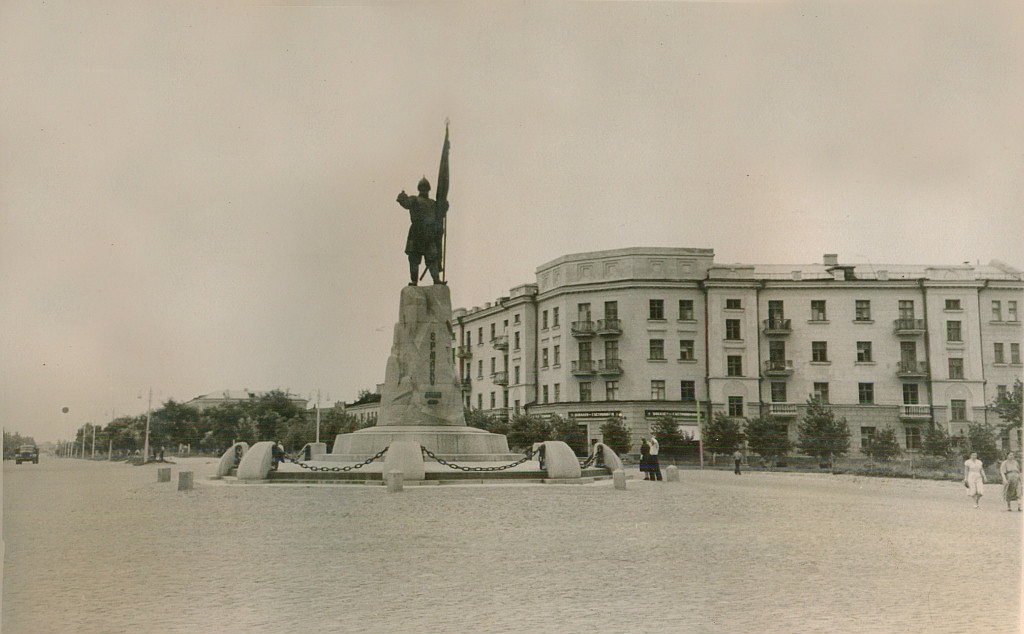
[467, 444]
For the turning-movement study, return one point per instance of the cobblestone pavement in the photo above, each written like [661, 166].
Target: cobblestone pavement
[100, 547]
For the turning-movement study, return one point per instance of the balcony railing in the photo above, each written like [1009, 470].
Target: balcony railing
[778, 367]
[908, 327]
[782, 410]
[912, 369]
[585, 367]
[467, 384]
[464, 351]
[500, 378]
[915, 411]
[582, 328]
[609, 327]
[778, 326]
[500, 342]
[609, 366]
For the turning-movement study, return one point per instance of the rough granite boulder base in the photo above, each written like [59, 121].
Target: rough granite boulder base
[421, 386]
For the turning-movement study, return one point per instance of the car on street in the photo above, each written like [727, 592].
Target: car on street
[27, 453]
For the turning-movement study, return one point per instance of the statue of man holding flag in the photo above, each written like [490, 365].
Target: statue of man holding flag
[427, 229]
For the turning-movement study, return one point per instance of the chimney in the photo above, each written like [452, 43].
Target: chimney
[831, 259]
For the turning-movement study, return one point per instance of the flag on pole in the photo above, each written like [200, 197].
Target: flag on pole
[442, 196]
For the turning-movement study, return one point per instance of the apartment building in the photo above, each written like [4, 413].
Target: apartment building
[642, 333]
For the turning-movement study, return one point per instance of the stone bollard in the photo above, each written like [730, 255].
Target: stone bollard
[394, 481]
[163, 474]
[619, 479]
[672, 473]
[185, 481]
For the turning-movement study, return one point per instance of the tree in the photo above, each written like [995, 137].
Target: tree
[481, 420]
[768, 437]
[722, 434]
[570, 433]
[1009, 408]
[672, 441]
[936, 442]
[981, 439]
[883, 446]
[615, 435]
[821, 434]
[525, 430]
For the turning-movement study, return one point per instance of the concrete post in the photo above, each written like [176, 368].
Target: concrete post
[163, 474]
[394, 481]
[185, 481]
[672, 473]
[619, 479]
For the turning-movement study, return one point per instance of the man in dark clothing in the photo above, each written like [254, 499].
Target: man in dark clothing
[427, 218]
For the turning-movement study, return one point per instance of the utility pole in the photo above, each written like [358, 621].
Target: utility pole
[92, 456]
[318, 415]
[149, 416]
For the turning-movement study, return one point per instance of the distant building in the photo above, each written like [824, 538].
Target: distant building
[214, 399]
[642, 333]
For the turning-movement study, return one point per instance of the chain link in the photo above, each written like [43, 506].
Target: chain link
[348, 468]
[452, 465]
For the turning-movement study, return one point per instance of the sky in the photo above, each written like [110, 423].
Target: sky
[197, 197]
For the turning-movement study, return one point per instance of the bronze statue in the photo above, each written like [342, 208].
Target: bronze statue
[426, 240]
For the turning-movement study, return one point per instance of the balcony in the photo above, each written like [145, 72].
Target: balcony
[778, 367]
[918, 412]
[583, 368]
[777, 327]
[782, 410]
[467, 384]
[912, 370]
[582, 328]
[609, 327]
[464, 351]
[500, 378]
[500, 342]
[609, 367]
[908, 327]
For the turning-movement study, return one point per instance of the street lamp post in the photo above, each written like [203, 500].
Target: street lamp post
[149, 416]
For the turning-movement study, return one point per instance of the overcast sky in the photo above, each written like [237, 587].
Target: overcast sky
[199, 197]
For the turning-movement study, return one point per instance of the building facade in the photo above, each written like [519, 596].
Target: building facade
[643, 333]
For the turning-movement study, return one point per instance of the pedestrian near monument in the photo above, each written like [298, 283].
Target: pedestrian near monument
[737, 458]
[655, 465]
[1009, 470]
[645, 459]
[974, 478]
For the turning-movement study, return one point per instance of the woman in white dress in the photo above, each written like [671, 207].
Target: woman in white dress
[974, 477]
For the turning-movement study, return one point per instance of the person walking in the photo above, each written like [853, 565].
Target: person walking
[1009, 470]
[655, 465]
[737, 458]
[974, 477]
[645, 459]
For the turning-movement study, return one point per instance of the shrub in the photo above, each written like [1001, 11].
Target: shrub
[768, 437]
[616, 436]
[722, 434]
[883, 446]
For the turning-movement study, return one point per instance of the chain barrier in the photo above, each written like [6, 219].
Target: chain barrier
[452, 465]
[348, 468]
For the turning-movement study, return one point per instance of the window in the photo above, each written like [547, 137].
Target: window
[1011, 310]
[515, 371]
[820, 392]
[505, 324]
[657, 309]
[734, 365]
[515, 340]
[611, 390]
[469, 338]
[583, 312]
[554, 318]
[732, 329]
[733, 304]
[493, 370]
[544, 320]
[819, 351]
[862, 310]
[492, 332]
[863, 351]
[556, 356]
[544, 394]
[611, 310]
[998, 349]
[1001, 394]
[1015, 353]
[735, 406]
[953, 331]
[958, 409]
[657, 347]
[544, 357]
[479, 401]
[555, 391]
[504, 398]
[686, 350]
[913, 438]
[956, 368]
[611, 349]
[778, 391]
[480, 336]
[515, 318]
[866, 393]
[867, 434]
[910, 394]
[818, 310]
[953, 304]
[657, 390]
[493, 402]
[480, 369]
[688, 391]
[686, 309]
[997, 310]
[906, 308]
[585, 392]
[585, 351]
[516, 405]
